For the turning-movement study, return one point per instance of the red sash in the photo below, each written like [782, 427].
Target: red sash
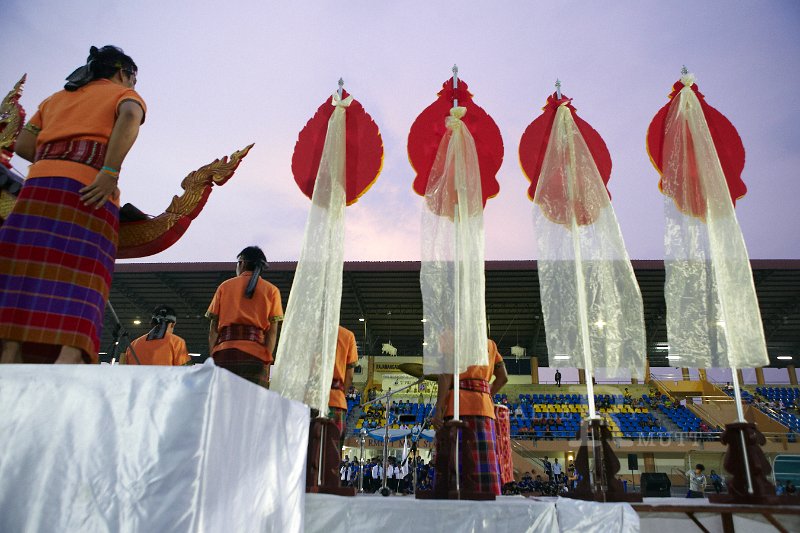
[90, 153]
[475, 385]
[241, 332]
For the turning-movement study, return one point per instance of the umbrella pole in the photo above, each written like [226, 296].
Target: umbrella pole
[456, 344]
[737, 395]
[580, 286]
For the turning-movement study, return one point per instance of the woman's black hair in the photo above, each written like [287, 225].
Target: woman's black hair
[102, 63]
[255, 261]
[163, 315]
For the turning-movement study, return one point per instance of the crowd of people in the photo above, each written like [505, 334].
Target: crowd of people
[399, 474]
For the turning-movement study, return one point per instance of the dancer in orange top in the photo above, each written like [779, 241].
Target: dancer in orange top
[58, 245]
[160, 346]
[245, 313]
[343, 368]
[477, 410]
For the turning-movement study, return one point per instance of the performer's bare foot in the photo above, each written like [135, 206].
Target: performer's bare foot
[12, 353]
[69, 355]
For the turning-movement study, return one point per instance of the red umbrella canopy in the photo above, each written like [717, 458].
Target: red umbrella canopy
[429, 128]
[727, 143]
[533, 147]
[363, 150]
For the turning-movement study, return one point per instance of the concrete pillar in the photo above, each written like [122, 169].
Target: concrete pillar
[760, 376]
[535, 370]
[740, 377]
[647, 370]
[649, 462]
[702, 372]
[792, 374]
[582, 376]
[685, 372]
[370, 371]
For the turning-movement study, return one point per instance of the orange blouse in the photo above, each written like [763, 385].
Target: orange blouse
[169, 351]
[86, 114]
[346, 354]
[229, 306]
[475, 403]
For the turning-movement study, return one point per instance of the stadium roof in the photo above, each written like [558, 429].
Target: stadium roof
[387, 296]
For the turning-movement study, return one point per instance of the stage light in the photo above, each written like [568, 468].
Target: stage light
[561, 357]
[194, 355]
[600, 324]
[137, 322]
[673, 357]
[517, 351]
[785, 357]
[361, 319]
[424, 320]
[425, 344]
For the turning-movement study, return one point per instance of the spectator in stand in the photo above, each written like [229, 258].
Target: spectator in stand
[526, 483]
[716, 481]
[377, 473]
[518, 411]
[548, 469]
[558, 377]
[557, 470]
[627, 398]
[790, 488]
[697, 482]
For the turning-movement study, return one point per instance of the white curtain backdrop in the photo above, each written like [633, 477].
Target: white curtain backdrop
[713, 319]
[452, 270]
[305, 356]
[585, 274]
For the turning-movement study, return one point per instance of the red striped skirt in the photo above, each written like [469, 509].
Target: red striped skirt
[484, 454]
[57, 262]
[244, 365]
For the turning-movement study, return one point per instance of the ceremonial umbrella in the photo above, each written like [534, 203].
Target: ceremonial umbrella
[591, 302]
[337, 157]
[456, 150]
[713, 319]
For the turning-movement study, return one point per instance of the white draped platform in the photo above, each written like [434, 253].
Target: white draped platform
[508, 514]
[151, 449]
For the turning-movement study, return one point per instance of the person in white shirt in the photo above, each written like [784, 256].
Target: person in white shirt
[377, 475]
[392, 474]
[557, 470]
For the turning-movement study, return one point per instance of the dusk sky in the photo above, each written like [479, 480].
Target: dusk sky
[217, 76]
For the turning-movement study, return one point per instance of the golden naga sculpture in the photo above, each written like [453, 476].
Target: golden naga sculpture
[140, 235]
[12, 118]
[148, 236]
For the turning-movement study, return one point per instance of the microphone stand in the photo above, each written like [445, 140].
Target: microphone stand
[118, 333]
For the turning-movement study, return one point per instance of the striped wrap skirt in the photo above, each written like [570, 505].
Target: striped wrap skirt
[57, 263]
[244, 365]
[485, 453]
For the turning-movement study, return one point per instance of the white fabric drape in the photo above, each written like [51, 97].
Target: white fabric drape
[713, 319]
[105, 449]
[588, 289]
[452, 271]
[305, 357]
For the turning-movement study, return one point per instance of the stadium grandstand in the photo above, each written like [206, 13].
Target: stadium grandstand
[671, 420]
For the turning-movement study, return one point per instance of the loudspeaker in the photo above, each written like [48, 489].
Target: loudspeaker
[656, 484]
[633, 461]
